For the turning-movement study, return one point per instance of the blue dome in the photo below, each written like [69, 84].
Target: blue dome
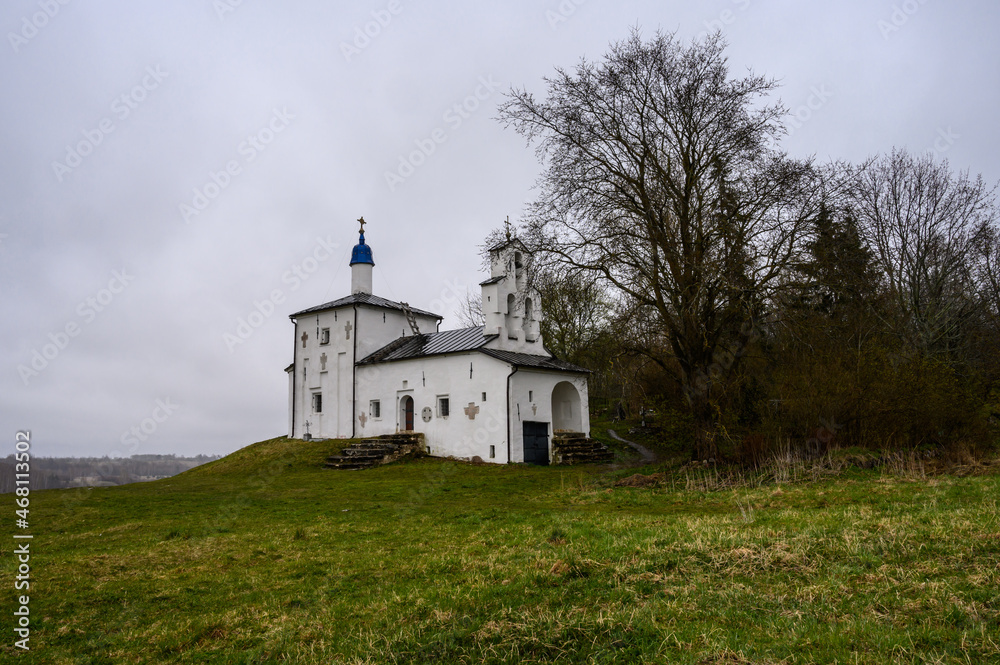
[362, 253]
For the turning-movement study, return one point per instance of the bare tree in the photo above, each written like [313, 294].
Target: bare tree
[926, 224]
[470, 313]
[988, 272]
[576, 312]
[662, 179]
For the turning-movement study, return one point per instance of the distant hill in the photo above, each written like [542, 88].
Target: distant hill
[64, 472]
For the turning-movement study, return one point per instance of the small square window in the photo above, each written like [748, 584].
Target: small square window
[444, 406]
[375, 409]
[324, 336]
[317, 403]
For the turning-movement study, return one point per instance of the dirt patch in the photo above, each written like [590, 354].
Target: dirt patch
[639, 480]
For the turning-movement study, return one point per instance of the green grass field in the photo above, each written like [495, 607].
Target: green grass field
[265, 557]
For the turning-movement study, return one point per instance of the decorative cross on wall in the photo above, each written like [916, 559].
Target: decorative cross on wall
[304, 337]
[363, 418]
[347, 329]
[471, 410]
[322, 362]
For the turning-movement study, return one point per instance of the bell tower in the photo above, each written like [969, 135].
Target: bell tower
[511, 306]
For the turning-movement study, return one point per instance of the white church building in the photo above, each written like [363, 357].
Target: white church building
[365, 366]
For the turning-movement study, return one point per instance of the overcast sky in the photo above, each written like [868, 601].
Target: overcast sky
[171, 168]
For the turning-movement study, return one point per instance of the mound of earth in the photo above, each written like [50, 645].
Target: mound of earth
[639, 480]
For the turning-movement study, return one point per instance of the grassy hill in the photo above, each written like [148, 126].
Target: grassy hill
[266, 557]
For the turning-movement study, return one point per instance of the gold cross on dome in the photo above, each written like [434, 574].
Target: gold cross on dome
[362, 222]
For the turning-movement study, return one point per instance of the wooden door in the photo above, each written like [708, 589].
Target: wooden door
[408, 413]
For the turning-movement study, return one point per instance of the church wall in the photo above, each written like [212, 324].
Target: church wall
[317, 368]
[380, 326]
[531, 400]
[328, 368]
[428, 379]
[493, 315]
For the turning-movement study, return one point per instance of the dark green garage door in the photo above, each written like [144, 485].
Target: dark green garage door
[536, 443]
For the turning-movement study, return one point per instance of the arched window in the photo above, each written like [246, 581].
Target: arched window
[511, 315]
[518, 270]
[529, 316]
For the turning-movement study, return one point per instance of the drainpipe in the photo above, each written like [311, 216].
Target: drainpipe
[295, 368]
[354, 376]
[510, 425]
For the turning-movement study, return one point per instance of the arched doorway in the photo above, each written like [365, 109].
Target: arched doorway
[406, 413]
[566, 413]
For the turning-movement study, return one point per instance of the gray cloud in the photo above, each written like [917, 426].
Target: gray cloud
[201, 87]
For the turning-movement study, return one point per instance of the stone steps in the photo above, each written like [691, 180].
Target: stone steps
[369, 453]
[577, 448]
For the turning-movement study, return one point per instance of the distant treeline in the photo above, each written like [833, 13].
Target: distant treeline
[61, 472]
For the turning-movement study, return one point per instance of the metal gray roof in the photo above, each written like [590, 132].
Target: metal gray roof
[534, 362]
[493, 280]
[464, 339]
[430, 344]
[363, 299]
